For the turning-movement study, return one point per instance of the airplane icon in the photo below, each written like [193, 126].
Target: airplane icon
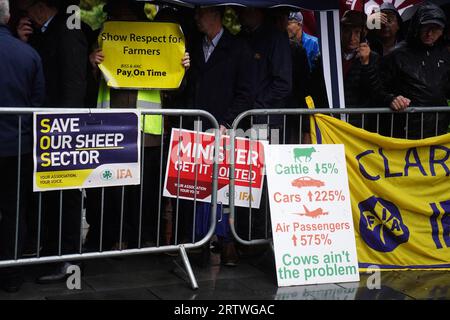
[313, 214]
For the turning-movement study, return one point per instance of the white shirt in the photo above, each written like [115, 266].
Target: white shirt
[45, 26]
[209, 46]
[349, 56]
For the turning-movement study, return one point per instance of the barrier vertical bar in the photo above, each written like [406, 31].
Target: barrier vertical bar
[81, 223]
[60, 223]
[122, 205]
[160, 181]
[180, 139]
[141, 187]
[38, 249]
[102, 209]
[19, 163]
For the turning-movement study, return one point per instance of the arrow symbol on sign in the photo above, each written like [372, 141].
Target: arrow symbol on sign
[317, 168]
[294, 239]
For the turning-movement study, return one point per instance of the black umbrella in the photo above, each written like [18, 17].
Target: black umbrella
[318, 5]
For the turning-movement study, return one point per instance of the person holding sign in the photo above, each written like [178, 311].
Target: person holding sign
[129, 11]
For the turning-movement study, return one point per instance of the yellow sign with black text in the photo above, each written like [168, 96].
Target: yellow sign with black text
[400, 192]
[142, 55]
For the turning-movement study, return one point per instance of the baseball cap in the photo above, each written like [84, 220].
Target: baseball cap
[386, 6]
[296, 16]
[432, 14]
[439, 22]
[354, 18]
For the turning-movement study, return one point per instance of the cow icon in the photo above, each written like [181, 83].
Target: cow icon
[304, 152]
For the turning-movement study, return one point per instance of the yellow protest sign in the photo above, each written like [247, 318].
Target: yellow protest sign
[142, 55]
[400, 192]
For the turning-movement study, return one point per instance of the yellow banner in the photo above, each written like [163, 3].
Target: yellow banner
[142, 55]
[400, 192]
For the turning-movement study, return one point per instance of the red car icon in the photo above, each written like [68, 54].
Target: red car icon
[307, 182]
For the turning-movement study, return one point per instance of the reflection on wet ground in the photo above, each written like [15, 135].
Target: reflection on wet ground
[159, 277]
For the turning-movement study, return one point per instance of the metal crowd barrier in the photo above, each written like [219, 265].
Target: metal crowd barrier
[251, 227]
[121, 250]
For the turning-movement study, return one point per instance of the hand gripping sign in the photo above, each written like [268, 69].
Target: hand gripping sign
[142, 55]
[190, 168]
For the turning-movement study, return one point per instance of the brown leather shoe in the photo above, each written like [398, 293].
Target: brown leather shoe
[229, 256]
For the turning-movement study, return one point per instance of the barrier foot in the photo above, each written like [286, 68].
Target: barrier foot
[187, 266]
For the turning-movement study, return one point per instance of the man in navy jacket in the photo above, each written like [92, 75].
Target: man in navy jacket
[21, 85]
[272, 60]
[64, 54]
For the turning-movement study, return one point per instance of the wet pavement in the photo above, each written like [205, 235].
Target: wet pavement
[160, 277]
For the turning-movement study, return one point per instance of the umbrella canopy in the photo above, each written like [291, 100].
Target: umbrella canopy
[317, 5]
[406, 8]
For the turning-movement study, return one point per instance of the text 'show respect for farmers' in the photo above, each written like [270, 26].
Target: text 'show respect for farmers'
[311, 214]
[190, 168]
[142, 55]
[86, 150]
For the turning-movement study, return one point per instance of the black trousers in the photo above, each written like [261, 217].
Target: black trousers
[9, 198]
[61, 221]
[259, 225]
[131, 220]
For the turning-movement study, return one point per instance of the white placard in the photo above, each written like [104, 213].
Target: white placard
[311, 214]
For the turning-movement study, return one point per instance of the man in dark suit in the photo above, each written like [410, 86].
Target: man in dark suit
[219, 81]
[64, 53]
[21, 85]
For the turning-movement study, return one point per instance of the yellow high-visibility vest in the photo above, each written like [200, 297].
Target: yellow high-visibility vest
[146, 99]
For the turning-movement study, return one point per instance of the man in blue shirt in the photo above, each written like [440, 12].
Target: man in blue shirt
[21, 85]
[308, 42]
